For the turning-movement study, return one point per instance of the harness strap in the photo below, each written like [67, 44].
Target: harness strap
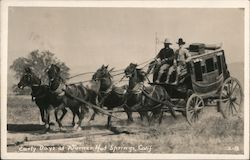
[36, 96]
[138, 88]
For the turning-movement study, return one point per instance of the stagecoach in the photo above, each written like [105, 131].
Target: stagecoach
[205, 81]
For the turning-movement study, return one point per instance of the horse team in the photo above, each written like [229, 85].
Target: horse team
[134, 97]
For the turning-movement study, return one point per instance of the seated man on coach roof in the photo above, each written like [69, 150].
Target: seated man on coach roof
[180, 58]
[164, 59]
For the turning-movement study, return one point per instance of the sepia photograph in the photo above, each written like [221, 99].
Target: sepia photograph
[125, 80]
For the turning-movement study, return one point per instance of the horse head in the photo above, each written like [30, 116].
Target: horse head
[53, 71]
[101, 73]
[134, 74]
[28, 79]
[130, 70]
[103, 76]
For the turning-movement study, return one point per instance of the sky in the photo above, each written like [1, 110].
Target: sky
[86, 38]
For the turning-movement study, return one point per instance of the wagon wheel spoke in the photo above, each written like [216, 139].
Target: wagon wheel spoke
[237, 95]
[230, 103]
[236, 103]
[224, 100]
[231, 108]
[196, 102]
[192, 103]
[193, 107]
[230, 86]
[224, 94]
[195, 117]
[227, 108]
[191, 110]
[234, 107]
[192, 117]
[236, 86]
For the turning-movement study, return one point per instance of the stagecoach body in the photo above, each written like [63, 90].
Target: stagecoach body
[206, 81]
[208, 71]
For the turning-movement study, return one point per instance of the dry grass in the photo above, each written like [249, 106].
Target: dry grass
[212, 134]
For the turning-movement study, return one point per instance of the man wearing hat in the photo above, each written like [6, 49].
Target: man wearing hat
[181, 55]
[164, 58]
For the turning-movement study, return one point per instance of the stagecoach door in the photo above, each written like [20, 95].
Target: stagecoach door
[198, 71]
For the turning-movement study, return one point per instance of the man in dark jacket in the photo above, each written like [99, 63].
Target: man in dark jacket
[165, 59]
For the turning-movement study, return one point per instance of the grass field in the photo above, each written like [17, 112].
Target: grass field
[212, 134]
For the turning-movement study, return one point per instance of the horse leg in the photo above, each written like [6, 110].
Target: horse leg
[60, 107]
[144, 115]
[109, 122]
[160, 118]
[64, 110]
[129, 113]
[42, 113]
[47, 119]
[75, 112]
[141, 116]
[93, 115]
[147, 116]
[73, 119]
[130, 118]
[80, 115]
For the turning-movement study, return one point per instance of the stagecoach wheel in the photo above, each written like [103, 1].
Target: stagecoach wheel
[231, 97]
[194, 106]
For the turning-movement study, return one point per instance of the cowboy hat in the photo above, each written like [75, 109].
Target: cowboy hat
[167, 41]
[180, 41]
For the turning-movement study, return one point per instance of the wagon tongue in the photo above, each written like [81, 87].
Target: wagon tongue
[91, 105]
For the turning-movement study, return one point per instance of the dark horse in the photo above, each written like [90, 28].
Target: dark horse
[40, 94]
[141, 98]
[109, 95]
[64, 95]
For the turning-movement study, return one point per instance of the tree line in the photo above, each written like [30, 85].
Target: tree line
[38, 61]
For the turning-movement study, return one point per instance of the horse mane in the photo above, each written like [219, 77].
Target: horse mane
[109, 75]
[36, 78]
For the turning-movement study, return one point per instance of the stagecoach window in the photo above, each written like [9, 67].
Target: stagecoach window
[203, 68]
[198, 71]
[210, 65]
[219, 63]
[215, 66]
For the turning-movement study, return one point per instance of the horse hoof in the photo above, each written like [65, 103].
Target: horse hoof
[62, 129]
[79, 129]
[90, 122]
[130, 122]
[47, 126]
[108, 126]
[46, 131]
[75, 127]
[51, 123]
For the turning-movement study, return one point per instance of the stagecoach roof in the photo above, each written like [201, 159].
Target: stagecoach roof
[206, 54]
